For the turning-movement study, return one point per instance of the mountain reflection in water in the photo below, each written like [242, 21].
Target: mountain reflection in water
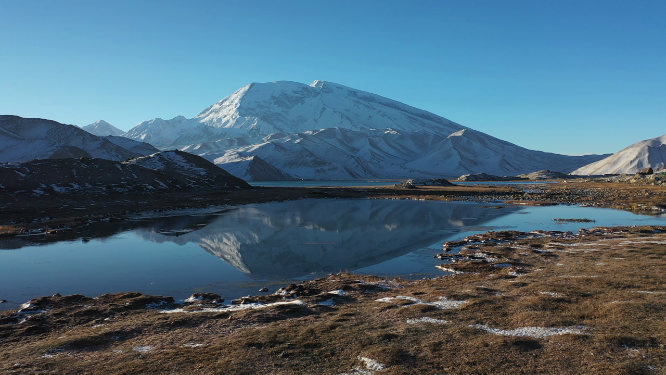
[297, 238]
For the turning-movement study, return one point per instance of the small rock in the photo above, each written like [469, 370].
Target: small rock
[3, 300]
[263, 290]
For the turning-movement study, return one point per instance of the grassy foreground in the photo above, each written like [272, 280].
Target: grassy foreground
[593, 303]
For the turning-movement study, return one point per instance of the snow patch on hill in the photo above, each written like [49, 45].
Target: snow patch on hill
[648, 153]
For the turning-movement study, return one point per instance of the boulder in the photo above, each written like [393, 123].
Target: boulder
[647, 170]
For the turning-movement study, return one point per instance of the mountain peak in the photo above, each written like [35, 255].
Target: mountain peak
[102, 128]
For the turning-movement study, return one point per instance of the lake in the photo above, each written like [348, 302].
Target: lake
[238, 250]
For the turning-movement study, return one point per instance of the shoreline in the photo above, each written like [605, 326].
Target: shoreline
[592, 302]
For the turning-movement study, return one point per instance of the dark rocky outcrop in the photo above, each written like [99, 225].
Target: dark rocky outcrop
[413, 183]
[166, 171]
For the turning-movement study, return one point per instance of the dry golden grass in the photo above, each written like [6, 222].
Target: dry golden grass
[610, 286]
[8, 230]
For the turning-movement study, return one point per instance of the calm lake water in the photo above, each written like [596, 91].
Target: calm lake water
[236, 251]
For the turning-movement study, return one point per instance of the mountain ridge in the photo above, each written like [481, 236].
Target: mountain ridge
[25, 139]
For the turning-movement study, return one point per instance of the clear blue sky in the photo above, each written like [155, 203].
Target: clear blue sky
[570, 77]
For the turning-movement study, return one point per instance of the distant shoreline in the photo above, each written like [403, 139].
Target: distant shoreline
[21, 213]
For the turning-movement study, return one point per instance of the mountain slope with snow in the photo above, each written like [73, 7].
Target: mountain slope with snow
[191, 166]
[25, 139]
[330, 131]
[102, 128]
[643, 154]
[140, 148]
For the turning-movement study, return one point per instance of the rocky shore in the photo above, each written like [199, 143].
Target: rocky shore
[591, 301]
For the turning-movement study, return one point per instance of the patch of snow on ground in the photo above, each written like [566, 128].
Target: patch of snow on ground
[648, 292]
[535, 332]
[427, 320]
[194, 299]
[650, 242]
[443, 303]
[328, 302]
[143, 349]
[188, 345]
[371, 364]
[245, 306]
[552, 294]
[338, 292]
[487, 257]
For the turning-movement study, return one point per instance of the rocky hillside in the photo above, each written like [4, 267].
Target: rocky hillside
[174, 170]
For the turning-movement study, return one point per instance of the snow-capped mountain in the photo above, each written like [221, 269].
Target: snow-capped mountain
[330, 131]
[24, 139]
[640, 155]
[102, 128]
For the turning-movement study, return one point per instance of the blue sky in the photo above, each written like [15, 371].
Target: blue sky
[571, 77]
